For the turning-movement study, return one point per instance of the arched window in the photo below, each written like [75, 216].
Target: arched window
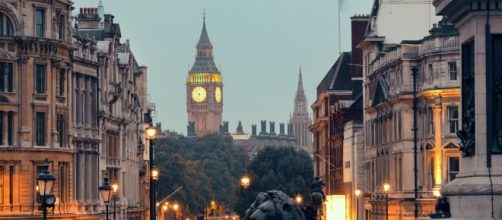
[6, 27]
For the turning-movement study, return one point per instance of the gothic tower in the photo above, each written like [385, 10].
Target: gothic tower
[300, 120]
[204, 90]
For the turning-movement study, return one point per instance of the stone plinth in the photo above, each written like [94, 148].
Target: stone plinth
[477, 187]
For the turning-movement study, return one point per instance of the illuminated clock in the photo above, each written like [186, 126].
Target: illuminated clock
[199, 94]
[217, 94]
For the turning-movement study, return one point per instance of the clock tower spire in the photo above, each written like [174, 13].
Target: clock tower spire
[204, 89]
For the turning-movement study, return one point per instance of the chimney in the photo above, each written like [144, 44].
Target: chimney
[359, 24]
[263, 127]
[253, 129]
[272, 128]
[281, 129]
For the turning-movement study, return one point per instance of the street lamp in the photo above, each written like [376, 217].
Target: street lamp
[357, 192]
[151, 135]
[115, 188]
[386, 188]
[298, 199]
[155, 173]
[106, 191]
[45, 181]
[245, 181]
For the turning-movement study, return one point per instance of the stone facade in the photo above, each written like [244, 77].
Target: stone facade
[388, 120]
[122, 104]
[300, 120]
[56, 84]
[204, 90]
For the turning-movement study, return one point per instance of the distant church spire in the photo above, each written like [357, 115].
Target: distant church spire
[300, 120]
[101, 11]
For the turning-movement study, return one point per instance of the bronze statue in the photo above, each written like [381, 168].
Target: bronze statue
[273, 204]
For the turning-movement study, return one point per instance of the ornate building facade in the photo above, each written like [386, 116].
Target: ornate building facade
[204, 90]
[56, 83]
[388, 118]
[35, 109]
[122, 104]
[300, 120]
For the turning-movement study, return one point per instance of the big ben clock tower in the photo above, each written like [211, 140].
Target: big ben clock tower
[204, 89]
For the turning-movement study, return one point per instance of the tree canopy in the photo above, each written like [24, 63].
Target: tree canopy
[282, 168]
[208, 168]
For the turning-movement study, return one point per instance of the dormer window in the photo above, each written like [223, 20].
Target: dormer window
[6, 27]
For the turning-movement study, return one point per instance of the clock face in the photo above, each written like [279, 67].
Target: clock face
[217, 94]
[199, 94]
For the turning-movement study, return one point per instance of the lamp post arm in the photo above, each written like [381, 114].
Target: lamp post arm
[169, 196]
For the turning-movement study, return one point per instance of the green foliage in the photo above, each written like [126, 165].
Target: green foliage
[208, 168]
[280, 168]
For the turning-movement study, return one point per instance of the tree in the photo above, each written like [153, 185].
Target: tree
[281, 168]
[208, 168]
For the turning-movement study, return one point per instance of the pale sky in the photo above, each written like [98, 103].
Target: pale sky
[259, 46]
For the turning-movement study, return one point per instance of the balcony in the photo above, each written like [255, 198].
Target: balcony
[113, 162]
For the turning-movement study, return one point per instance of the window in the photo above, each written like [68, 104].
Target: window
[10, 128]
[1, 128]
[61, 27]
[62, 183]
[40, 129]
[61, 83]
[430, 116]
[453, 168]
[453, 119]
[452, 69]
[6, 27]
[40, 78]
[61, 128]
[1, 184]
[39, 22]
[431, 71]
[6, 77]
[11, 185]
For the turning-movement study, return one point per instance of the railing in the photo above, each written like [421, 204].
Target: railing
[446, 43]
[113, 162]
[86, 56]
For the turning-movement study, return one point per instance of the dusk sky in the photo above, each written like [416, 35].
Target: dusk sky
[259, 46]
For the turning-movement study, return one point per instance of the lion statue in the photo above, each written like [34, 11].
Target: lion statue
[273, 205]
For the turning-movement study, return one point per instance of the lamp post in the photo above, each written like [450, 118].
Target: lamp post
[245, 182]
[175, 207]
[357, 192]
[115, 188]
[386, 188]
[151, 135]
[106, 191]
[45, 181]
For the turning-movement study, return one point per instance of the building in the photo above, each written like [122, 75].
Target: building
[204, 90]
[36, 119]
[255, 142]
[475, 193]
[300, 120]
[328, 152]
[337, 129]
[388, 113]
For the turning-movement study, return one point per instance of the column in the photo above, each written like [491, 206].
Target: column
[438, 156]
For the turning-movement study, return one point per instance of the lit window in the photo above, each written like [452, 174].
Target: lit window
[453, 119]
[452, 69]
